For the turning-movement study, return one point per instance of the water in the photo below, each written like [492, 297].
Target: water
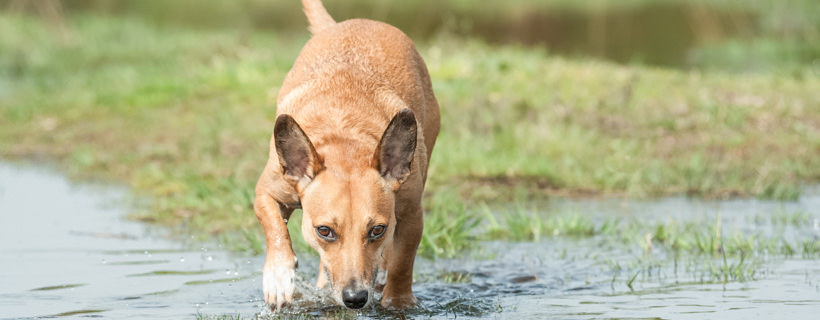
[783, 288]
[67, 251]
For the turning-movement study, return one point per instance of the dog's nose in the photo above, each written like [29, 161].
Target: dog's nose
[354, 299]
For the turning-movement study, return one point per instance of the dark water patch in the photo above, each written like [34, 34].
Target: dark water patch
[162, 293]
[211, 281]
[582, 288]
[78, 312]
[59, 287]
[173, 273]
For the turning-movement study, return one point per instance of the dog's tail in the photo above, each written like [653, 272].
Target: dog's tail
[317, 15]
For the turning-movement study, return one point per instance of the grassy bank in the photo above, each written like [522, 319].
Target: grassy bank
[184, 117]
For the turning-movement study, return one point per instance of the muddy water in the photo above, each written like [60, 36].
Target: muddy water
[66, 251]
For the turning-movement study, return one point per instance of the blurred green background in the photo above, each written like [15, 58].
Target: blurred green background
[736, 35]
[636, 98]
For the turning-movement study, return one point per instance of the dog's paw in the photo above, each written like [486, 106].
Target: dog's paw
[399, 302]
[278, 284]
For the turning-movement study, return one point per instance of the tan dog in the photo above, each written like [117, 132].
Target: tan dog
[356, 124]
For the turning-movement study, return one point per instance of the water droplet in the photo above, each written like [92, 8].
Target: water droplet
[210, 258]
[103, 261]
[146, 252]
[236, 273]
[228, 271]
[181, 259]
[249, 262]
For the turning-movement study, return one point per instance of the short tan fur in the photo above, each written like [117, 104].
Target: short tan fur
[356, 124]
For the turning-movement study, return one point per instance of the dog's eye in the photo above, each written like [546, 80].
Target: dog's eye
[377, 232]
[326, 233]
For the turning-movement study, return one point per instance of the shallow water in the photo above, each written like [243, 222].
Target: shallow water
[67, 251]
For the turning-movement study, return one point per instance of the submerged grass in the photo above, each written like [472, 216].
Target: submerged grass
[184, 116]
[200, 316]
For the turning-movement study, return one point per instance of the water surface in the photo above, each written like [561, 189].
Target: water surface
[67, 251]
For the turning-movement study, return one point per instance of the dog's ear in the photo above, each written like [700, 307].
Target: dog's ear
[394, 155]
[299, 160]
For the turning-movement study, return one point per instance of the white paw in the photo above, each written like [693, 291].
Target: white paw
[278, 285]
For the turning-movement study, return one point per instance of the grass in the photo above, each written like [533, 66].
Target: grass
[183, 117]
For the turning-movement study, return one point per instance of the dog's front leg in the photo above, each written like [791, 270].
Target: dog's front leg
[280, 261]
[321, 280]
[398, 291]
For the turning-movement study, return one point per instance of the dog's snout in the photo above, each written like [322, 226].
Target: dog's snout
[353, 298]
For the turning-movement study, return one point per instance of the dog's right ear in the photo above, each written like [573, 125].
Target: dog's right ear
[299, 160]
[394, 154]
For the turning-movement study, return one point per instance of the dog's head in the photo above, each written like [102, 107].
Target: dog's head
[348, 199]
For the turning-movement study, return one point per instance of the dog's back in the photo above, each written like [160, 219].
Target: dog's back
[375, 63]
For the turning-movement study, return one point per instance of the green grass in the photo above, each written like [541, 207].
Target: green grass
[183, 117]
[589, 125]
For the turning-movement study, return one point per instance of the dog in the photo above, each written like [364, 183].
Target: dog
[356, 124]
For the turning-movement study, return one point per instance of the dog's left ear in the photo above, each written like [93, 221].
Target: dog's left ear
[394, 155]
